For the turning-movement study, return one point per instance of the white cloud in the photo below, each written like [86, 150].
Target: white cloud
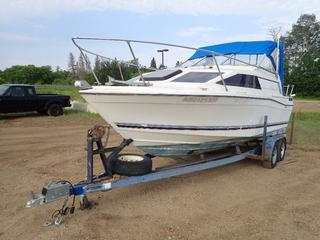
[196, 31]
[264, 13]
[249, 37]
[211, 39]
[285, 10]
[8, 36]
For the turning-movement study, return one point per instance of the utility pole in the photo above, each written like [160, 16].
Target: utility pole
[162, 52]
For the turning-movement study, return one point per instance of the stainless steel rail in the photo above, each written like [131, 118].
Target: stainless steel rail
[136, 64]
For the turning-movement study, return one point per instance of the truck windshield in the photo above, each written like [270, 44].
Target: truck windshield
[3, 89]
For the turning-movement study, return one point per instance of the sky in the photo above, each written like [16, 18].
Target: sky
[39, 32]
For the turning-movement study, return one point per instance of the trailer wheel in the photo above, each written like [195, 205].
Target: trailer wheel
[132, 165]
[271, 162]
[84, 202]
[55, 110]
[282, 148]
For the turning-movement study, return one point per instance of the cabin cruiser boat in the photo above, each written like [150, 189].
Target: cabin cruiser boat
[220, 98]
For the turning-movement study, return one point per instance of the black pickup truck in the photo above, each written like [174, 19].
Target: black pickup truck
[23, 98]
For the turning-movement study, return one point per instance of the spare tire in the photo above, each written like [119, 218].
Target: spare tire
[132, 165]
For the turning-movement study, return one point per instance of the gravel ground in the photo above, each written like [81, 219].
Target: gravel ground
[238, 201]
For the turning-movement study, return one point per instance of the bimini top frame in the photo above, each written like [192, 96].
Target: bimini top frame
[135, 63]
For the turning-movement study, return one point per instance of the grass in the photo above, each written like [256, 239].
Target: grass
[307, 128]
[53, 89]
[307, 98]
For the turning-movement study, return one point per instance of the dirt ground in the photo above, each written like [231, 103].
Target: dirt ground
[306, 106]
[238, 201]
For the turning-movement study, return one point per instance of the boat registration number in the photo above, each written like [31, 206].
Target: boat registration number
[199, 99]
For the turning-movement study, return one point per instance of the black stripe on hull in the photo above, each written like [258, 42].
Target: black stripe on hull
[195, 128]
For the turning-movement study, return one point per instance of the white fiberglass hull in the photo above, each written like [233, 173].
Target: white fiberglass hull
[177, 124]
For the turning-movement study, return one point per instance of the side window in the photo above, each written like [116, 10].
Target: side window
[248, 81]
[236, 80]
[17, 92]
[242, 80]
[256, 83]
[30, 91]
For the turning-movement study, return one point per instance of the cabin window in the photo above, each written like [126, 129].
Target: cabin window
[242, 80]
[197, 77]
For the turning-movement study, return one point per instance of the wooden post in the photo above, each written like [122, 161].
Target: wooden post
[292, 127]
[264, 140]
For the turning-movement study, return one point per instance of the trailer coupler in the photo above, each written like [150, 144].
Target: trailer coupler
[52, 192]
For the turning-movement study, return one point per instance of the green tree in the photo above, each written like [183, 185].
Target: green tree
[2, 80]
[81, 67]
[153, 63]
[302, 49]
[29, 74]
[97, 64]
[72, 66]
[87, 63]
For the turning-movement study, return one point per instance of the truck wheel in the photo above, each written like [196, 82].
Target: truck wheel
[282, 148]
[271, 162]
[132, 165]
[55, 110]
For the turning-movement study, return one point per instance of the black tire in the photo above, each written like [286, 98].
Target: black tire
[84, 203]
[272, 162]
[282, 148]
[55, 110]
[132, 165]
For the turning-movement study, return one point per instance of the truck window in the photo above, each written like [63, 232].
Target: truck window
[3, 89]
[30, 91]
[17, 92]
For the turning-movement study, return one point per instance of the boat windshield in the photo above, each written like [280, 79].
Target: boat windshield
[259, 60]
[3, 89]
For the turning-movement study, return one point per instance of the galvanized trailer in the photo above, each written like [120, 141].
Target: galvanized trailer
[268, 148]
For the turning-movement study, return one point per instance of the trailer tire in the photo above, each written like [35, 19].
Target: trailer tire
[282, 147]
[55, 110]
[271, 162]
[132, 165]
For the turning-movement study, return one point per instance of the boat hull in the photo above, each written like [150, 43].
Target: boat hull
[165, 125]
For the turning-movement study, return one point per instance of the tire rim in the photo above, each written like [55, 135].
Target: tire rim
[274, 155]
[282, 150]
[55, 110]
[131, 158]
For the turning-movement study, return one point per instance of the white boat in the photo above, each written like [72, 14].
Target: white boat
[177, 111]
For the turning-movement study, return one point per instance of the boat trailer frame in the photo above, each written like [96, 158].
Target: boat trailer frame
[62, 190]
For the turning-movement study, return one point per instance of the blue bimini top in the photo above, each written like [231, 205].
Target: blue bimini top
[246, 48]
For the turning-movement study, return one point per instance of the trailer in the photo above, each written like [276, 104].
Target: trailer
[269, 148]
